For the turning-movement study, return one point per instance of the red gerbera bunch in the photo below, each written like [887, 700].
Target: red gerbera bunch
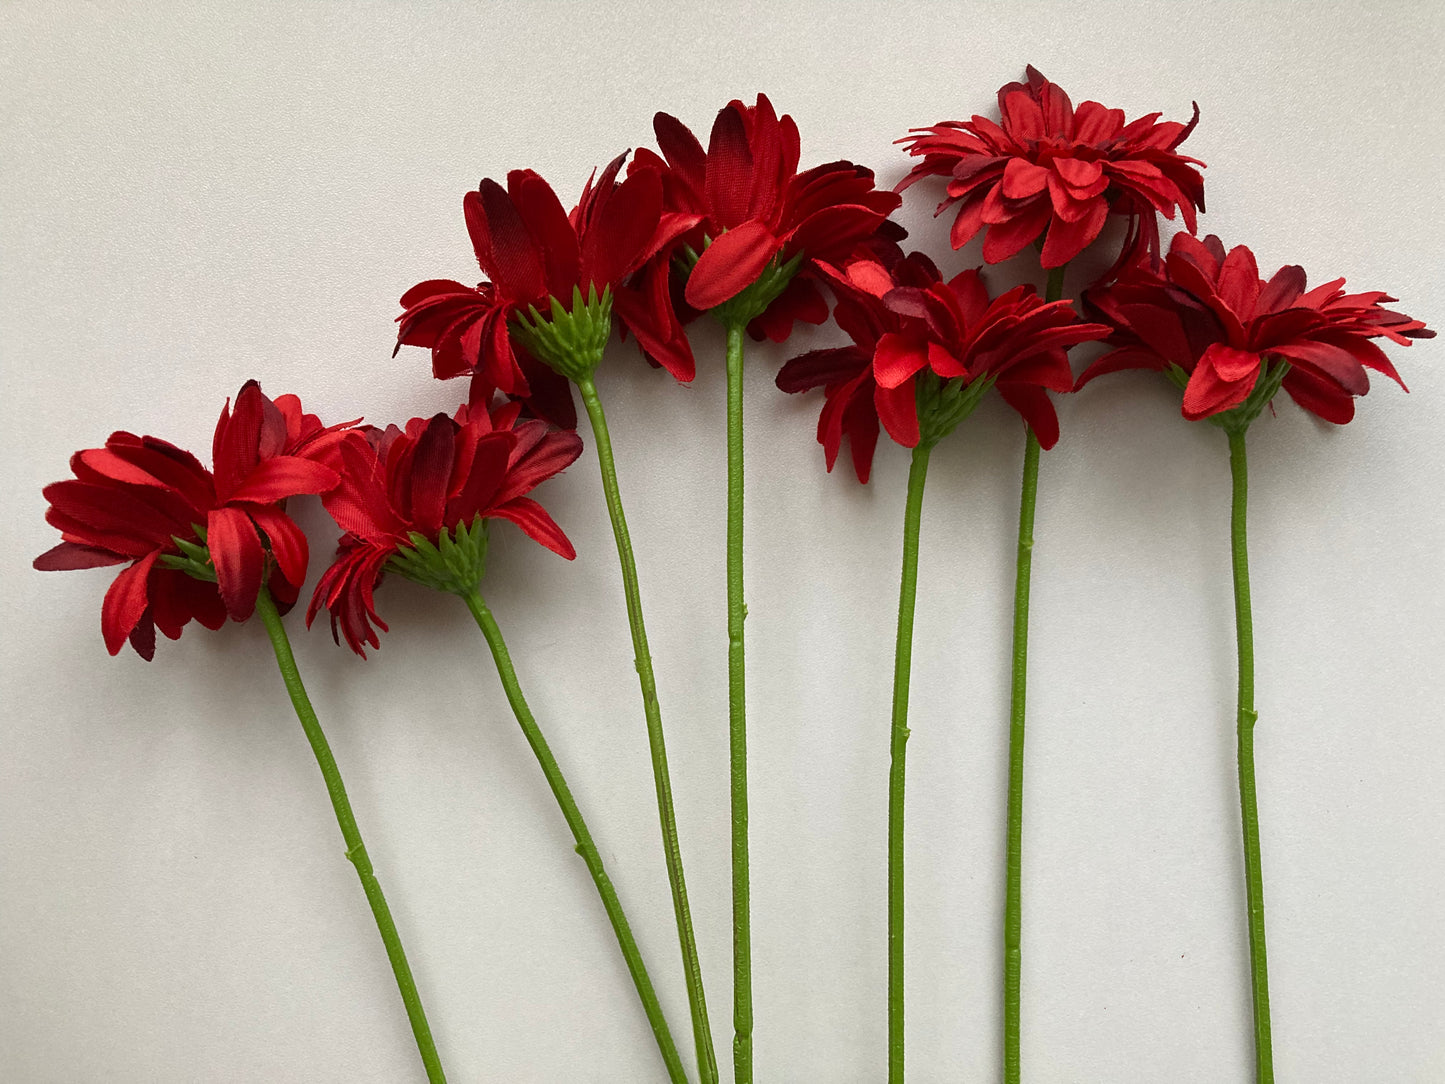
[925, 350]
[757, 216]
[416, 501]
[1227, 336]
[1050, 167]
[541, 262]
[199, 543]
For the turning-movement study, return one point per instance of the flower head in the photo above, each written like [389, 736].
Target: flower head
[1048, 168]
[542, 264]
[1231, 339]
[416, 501]
[926, 350]
[760, 221]
[196, 543]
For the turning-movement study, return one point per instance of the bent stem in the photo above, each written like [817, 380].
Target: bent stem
[585, 847]
[737, 721]
[355, 848]
[1249, 812]
[1013, 893]
[672, 849]
[902, 668]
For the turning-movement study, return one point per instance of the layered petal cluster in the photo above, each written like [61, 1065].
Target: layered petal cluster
[146, 504]
[437, 476]
[1049, 169]
[533, 251]
[756, 211]
[909, 326]
[1206, 314]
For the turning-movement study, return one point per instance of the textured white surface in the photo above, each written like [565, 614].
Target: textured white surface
[199, 194]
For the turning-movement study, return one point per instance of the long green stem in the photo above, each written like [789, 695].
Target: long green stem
[355, 848]
[1013, 892]
[585, 847]
[1249, 811]
[738, 722]
[701, 1030]
[897, 746]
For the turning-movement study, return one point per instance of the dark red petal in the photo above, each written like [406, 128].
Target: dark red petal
[125, 603]
[817, 368]
[431, 474]
[730, 264]
[72, 555]
[546, 221]
[729, 171]
[1319, 396]
[517, 270]
[238, 558]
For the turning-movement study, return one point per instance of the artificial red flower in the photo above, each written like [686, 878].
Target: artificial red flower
[144, 501]
[439, 476]
[846, 372]
[907, 323]
[754, 209]
[532, 251]
[1209, 313]
[1050, 167]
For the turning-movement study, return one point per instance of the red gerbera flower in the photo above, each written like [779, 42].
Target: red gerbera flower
[755, 210]
[1206, 315]
[846, 372]
[416, 501]
[199, 543]
[1050, 167]
[909, 326]
[533, 252]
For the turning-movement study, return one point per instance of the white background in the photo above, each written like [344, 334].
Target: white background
[194, 195]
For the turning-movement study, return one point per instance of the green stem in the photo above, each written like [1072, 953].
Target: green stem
[902, 667]
[1013, 892]
[1249, 811]
[585, 847]
[355, 848]
[737, 721]
[672, 849]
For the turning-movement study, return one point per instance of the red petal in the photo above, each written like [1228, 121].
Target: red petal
[238, 558]
[614, 245]
[285, 476]
[896, 358]
[730, 264]
[288, 542]
[898, 411]
[534, 520]
[125, 603]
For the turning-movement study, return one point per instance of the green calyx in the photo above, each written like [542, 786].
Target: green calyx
[942, 404]
[752, 300]
[1237, 419]
[194, 559]
[454, 563]
[569, 341]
